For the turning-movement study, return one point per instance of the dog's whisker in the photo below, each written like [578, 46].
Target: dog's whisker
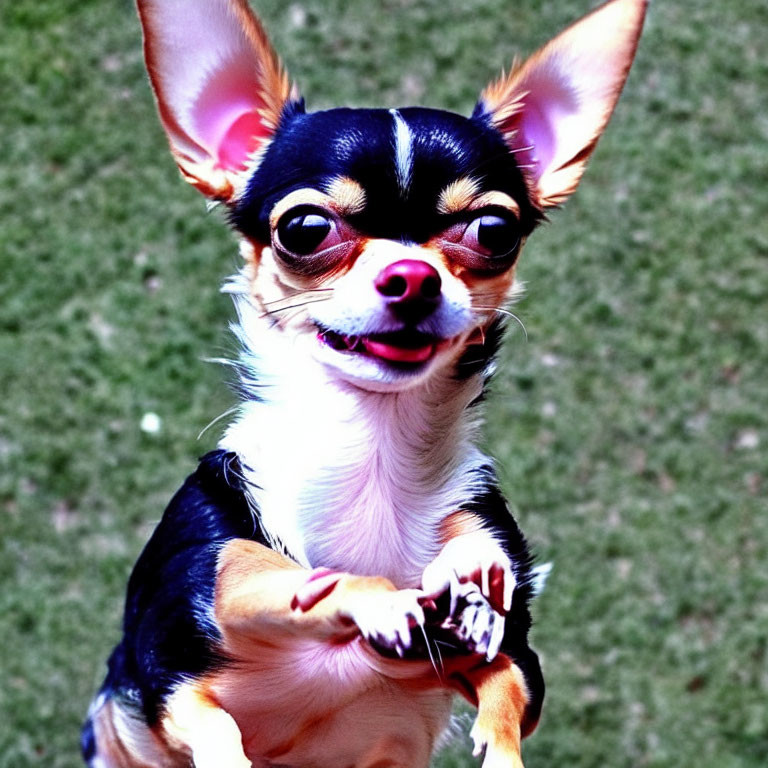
[221, 416]
[438, 671]
[517, 320]
[439, 655]
[269, 312]
[296, 295]
[502, 311]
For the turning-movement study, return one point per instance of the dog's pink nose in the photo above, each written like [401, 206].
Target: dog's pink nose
[411, 288]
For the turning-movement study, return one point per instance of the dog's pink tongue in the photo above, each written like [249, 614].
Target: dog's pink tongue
[398, 354]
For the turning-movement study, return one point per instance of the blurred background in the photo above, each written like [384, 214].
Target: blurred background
[631, 427]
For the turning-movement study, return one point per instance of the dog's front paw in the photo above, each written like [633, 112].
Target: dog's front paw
[387, 620]
[462, 619]
[476, 558]
[478, 625]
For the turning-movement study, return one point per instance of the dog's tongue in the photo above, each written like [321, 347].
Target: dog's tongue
[398, 354]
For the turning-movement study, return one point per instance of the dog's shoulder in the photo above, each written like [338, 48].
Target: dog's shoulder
[210, 507]
[169, 628]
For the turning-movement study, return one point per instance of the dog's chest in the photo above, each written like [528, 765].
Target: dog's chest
[369, 524]
[356, 486]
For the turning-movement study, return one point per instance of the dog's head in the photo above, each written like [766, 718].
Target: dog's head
[384, 240]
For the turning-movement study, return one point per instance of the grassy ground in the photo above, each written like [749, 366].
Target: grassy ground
[631, 427]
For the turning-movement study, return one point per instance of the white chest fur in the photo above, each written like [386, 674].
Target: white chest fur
[355, 480]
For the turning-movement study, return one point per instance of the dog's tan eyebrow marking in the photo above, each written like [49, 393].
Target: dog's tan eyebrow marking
[304, 196]
[347, 195]
[497, 199]
[463, 195]
[343, 196]
[458, 195]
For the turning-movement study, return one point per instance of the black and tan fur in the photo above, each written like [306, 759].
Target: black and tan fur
[325, 582]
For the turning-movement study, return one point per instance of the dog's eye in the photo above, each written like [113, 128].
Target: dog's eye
[487, 240]
[303, 230]
[492, 235]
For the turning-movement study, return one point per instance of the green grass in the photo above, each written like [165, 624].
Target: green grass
[632, 426]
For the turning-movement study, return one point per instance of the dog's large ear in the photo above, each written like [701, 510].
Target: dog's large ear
[552, 108]
[219, 86]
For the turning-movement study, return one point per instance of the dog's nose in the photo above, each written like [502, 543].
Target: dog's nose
[410, 287]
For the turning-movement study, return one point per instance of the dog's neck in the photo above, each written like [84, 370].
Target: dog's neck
[344, 477]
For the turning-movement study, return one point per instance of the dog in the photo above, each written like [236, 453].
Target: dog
[344, 563]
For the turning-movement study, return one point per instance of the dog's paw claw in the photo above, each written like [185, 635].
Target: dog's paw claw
[478, 626]
[463, 619]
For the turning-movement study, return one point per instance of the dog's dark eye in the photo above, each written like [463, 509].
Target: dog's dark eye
[302, 231]
[493, 235]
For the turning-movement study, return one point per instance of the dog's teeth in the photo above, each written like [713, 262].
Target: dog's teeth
[352, 341]
[334, 340]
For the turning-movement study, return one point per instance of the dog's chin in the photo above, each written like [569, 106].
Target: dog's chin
[384, 362]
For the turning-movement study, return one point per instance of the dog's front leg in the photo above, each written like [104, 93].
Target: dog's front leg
[263, 599]
[261, 595]
[499, 691]
[471, 555]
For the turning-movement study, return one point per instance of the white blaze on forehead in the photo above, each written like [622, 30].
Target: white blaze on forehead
[403, 150]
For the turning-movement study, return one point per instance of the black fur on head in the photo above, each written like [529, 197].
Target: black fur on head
[311, 149]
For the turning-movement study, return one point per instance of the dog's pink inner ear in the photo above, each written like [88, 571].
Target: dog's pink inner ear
[226, 117]
[552, 108]
[549, 102]
[244, 136]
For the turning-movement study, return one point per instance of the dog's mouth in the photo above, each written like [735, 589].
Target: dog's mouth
[406, 347]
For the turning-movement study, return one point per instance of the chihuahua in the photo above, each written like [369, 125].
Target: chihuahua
[325, 581]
